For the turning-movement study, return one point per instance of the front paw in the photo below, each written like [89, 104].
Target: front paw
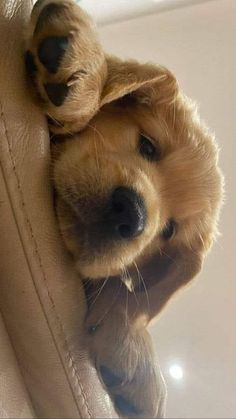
[65, 63]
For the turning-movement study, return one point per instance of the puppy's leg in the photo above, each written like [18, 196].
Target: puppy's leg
[122, 350]
[65, 63]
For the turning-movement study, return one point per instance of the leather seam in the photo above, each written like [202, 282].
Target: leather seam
[71, 364]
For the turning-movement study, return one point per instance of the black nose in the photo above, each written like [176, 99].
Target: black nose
[126, 216]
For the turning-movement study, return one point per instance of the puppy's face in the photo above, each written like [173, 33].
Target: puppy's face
[142, 176]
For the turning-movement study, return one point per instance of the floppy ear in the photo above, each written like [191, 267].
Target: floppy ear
[126, 77]
[164, 274]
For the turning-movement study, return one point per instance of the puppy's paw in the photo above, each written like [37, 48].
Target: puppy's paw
[65, 63]
[122, 351]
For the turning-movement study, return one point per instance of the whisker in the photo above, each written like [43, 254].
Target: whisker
[144, 285]
[59, 124]
[96, 154]
[126, 308]
[128, 277]
[99, 292]
[111, 305]
[97, 132]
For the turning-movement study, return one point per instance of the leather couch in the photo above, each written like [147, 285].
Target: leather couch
[44, 368]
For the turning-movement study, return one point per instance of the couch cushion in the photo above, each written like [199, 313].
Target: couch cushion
[41, 297]
[14, 399]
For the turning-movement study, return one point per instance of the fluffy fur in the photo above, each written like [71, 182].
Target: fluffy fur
[98, 126]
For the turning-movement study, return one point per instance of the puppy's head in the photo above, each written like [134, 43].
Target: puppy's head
[141, 179]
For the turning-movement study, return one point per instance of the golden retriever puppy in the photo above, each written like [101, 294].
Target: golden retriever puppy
[138, 191]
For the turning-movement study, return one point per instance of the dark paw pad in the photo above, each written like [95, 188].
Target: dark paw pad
[125, 407]
[57, 92]
[51, 52]
[109, 378]
[30, 64]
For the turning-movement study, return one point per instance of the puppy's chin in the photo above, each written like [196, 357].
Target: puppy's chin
[100, 268]
[99, 263]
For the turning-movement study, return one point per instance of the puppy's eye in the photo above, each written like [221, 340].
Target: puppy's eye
[169, 230]
[92, 329]
[147, 149]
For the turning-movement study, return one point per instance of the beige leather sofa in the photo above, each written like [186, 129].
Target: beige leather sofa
[44, 369]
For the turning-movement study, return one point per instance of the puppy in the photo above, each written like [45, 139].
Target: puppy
[138, 191]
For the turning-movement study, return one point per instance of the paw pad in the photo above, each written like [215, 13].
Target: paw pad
[57, 92]
[51, 52]
[30, 64]
[125, 407]
[109, 378]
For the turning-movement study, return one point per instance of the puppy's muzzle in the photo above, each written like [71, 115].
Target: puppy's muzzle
[126, 214]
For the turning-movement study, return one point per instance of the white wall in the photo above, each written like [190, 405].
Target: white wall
[198, 330]
[110, 11]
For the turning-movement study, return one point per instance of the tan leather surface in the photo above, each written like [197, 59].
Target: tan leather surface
[14, 399]
[41, 297]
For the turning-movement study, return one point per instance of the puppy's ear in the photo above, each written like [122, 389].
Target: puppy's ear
[165, 273]
[130, 77]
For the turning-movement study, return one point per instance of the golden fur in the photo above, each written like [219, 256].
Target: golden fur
[110, 104]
